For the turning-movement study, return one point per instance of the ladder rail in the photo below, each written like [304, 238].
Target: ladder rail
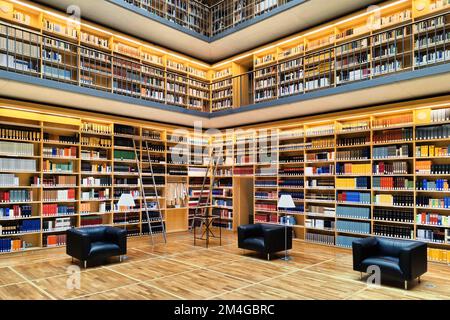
[138, 164]
[156, 193]
[212, 165]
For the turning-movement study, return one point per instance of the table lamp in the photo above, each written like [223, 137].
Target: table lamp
[126, 200]
[286, 202]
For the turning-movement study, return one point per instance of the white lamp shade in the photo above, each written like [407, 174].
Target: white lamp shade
[126, 200]
[286, 202]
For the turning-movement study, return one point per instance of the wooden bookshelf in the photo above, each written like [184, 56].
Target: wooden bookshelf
[91, 159]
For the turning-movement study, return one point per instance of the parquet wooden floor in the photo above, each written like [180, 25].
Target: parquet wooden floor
[179, 270]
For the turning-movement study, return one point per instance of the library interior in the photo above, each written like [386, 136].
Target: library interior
[224, 150]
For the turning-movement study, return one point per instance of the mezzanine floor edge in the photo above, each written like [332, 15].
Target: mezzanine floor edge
[179, 270]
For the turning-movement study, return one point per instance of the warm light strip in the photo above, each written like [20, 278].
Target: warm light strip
[288, 127]
[107, 32]
[307, 34]
[40, 112]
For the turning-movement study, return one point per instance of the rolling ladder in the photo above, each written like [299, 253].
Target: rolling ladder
[203, 211]
[159, 217]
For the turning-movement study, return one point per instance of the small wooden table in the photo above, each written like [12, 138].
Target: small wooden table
[207, 221]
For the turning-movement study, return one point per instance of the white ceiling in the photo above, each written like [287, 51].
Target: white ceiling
[375, 95]
[300, 17]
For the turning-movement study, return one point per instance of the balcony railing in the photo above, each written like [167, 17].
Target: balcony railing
[380, 53]
[204, 19]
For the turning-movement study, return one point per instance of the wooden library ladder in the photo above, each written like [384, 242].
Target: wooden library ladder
[159, 218]
[205, 217]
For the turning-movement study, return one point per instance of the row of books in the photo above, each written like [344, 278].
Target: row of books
[320, 143]
[391, 152]
[91, 221]
[319, 238]
[17, 149]
[353, 169]
[51, 210]
[322, 156]
[432, 151]
[291, 171]
[345, 241]
[20, 134]
[96, 128]
[273, 218]
[321, 210]
[436, 185]
[16, 196]
[393, 135]
[100, 181]
[291, 183]
[59, 181]
[438, 255]
[353, 183]
[95, 194]
[353, 212]
[54, 240]
[320, 224]
[393, 215]
[353, 226]
[322, 170]
[404, 200]
[97, 167]
[427, 167]
[266, 207]
[433, 219]
[357, 197]
[393, 231]
[16, 211]
[17, 165]
[396, 167]
[12, 245]
[358, 125]
[352, 141]
[95, 141]
[436, 236]
[50, 166]
[440, 115]
[58, 224]
[24, 226]
[400, 119]
[428, 201]
[59, 195]
[60, 152]
[433, 132]
[393, 183]
[9, 180]
[355, 154]
[320, 183]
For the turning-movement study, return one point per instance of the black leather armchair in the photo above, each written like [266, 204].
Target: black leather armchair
[264, 238]
[92, 243]
[403, 260]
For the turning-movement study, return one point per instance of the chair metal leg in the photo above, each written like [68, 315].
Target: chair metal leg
[120, 258]
[85, 264]
[268, 257]
[406, 285]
